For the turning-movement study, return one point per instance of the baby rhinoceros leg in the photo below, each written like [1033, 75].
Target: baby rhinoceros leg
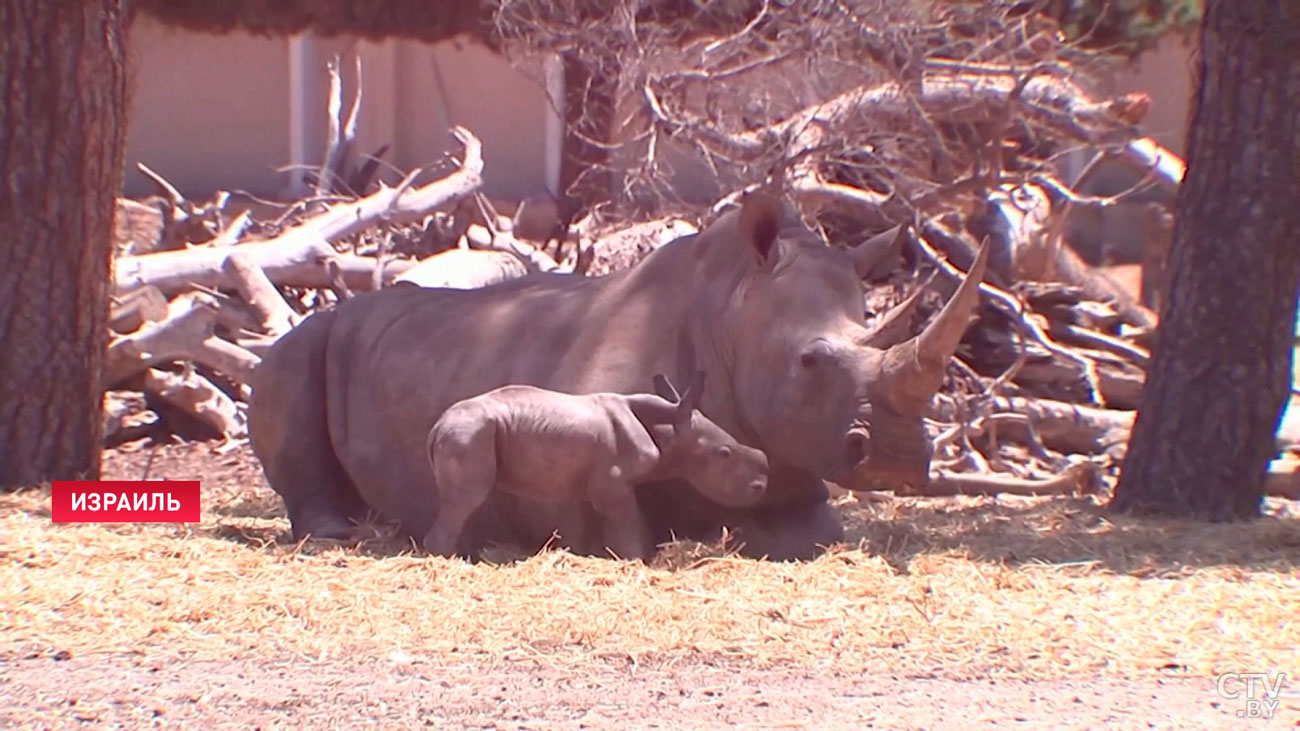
[462, 451]
[611, 489]
[614, 499]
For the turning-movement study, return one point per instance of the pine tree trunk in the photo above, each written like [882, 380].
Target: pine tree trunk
[62, 109]
[1221, 373]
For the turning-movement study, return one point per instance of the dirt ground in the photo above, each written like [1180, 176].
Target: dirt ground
[271, 692]
[54, 675]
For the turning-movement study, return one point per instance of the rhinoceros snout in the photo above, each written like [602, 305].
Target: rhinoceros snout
[890, 464]
[742, 494]
[857, 447]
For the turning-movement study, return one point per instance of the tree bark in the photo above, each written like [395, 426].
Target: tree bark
[62, 131]
[590, 97]
[1221, 369]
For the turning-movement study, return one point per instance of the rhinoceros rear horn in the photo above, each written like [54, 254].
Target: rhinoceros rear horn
[872, 257]
[914, 369]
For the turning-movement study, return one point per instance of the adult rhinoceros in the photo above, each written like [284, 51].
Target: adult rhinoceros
[342, 404]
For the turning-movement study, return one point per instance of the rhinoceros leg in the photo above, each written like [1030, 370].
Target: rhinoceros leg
[289, 434]
[789, 533]
[625, 530]
[464, 461]
[613, 495]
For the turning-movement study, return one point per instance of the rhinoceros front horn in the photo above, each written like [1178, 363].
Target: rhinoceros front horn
[874, 257]
[913, 369]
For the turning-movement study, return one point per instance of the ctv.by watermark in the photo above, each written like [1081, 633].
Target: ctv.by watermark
[1258, 693]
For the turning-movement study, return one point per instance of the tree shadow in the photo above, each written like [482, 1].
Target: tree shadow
[270, 530]
[1066, 530]
[372, 538]
[1010, 531]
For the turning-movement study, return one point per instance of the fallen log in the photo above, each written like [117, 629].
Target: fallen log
[184, 222]
[196, 396]
[229, 313]
[1078, 478]
[1120, 387]
[176, 271]
[258, 345]
[464, 269]
[126, 417]
[623, 248]
[356, 272]
[536, 260]
[188, 333]
[274, 315]
[301, 252]
[139, 226]
[133, 309]
[1062, 426]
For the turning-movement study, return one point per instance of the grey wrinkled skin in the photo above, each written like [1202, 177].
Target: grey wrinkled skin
[591, 448]
[342, 405]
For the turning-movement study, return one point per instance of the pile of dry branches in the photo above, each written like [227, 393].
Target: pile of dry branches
[942, 121]
[202, 290]
[948, 120]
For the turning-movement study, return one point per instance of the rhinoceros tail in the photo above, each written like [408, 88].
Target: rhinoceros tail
[289, 433]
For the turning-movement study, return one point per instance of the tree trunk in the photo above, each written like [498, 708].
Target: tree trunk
[589, 103]
[1221, 370]
[62, 124]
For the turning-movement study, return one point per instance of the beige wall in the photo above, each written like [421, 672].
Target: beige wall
[206, 111]
[1168, 75]
[459, 82]
[224, 112]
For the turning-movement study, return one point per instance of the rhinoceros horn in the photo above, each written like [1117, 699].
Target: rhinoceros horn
[913, 369]
[872, 257]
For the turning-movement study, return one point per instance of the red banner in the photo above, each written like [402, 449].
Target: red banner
[125, 501]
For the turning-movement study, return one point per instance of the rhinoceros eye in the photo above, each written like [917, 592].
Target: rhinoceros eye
[814, 354]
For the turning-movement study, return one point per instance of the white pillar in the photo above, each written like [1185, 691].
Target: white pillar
[298, 59]
[553, 122]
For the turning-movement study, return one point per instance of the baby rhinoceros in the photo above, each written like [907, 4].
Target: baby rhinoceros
[590, 448]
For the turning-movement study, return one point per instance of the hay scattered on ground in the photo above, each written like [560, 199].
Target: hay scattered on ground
[1038, 588]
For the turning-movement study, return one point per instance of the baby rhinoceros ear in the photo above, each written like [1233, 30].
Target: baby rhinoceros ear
[689, 402]
[665, 389]
[691, 399]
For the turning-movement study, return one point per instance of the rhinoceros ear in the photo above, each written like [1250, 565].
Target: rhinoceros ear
[664, 388]
[760, 221]
[690, 400]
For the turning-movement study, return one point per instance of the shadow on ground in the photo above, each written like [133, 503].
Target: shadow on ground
[1009, 530]
[1065, 530]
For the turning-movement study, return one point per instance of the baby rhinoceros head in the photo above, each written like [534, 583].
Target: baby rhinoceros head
[706, 455]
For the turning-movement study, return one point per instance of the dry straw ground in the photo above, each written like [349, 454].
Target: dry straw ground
[950, 587]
